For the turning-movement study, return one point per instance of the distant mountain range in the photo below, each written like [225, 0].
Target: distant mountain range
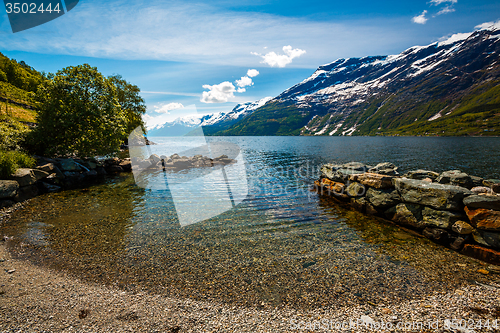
[211, 123]
[445, 88]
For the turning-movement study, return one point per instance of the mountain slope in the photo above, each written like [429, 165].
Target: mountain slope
[445, 88]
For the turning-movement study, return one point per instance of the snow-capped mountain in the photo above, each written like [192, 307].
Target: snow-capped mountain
[210, 123]
[420, 89]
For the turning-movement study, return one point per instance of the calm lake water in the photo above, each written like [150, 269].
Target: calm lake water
[281, 245]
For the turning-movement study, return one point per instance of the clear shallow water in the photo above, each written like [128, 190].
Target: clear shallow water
[283, 245]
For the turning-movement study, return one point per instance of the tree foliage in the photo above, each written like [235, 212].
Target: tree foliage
[130, 101]
[79, 113]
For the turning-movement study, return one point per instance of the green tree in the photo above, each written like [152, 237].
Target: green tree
[79, 114]
[130, 101]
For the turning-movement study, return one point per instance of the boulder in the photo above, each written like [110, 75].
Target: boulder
[455, 177]
[26, 192]
[382, 198]
[39, 174]
[112, 161]
[482, 201]
[47, 167]
[440, 218]
[175, 157]
[359, 204]
[481, 189]
[487, 238]
[126, 165]
[406, 214]
[495, 188]
[69, 164]
[24, 177]
[438, 196]
[373, 180]
[356, 166]
[8, 188]
[485, 219]
[155, 159]
[356, 190]
[462, 228]
[385, 168]
[328, 187]
[481, 253]
[421, 174]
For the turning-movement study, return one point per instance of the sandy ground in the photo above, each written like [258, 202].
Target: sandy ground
[37, 299]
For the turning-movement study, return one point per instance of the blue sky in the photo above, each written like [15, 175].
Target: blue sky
[176, 50]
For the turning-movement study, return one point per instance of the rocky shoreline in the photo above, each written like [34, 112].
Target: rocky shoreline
[56, 174]
[452, 208]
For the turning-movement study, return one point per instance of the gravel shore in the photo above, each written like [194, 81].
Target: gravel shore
[36, 299]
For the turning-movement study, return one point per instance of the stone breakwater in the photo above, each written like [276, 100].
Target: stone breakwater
[53, 175]
[452, 208]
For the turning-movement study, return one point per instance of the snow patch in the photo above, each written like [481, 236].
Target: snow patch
[339, 125]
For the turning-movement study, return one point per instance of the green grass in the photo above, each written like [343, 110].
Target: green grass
[10, 161]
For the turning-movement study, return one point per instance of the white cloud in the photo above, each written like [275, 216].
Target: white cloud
[245, 81]
[420, 19]
[280, 60]
[166, 108]
[241, 90]
[487, 25]
[446, 10]
[252, 72]
[218, 93]
[438, 2]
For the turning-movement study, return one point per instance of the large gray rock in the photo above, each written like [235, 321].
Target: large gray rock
[438, 196]
[8, 188]
[483, 201]
[457, 178]
[385, 168]
[406, 214]
[69, 164]
[339, 173]
[24, 177]
[421, 174]
[356, 166]
[440, 218]
[382, 198]
[39, 174]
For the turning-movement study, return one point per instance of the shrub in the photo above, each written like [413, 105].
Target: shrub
[10, 161]
[12, 134]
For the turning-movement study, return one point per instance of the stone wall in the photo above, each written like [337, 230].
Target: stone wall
[53, 175]
[454, 209]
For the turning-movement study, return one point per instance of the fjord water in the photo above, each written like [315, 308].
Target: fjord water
[283, 245]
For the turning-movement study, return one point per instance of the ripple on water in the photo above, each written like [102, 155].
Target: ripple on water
[281, 246]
